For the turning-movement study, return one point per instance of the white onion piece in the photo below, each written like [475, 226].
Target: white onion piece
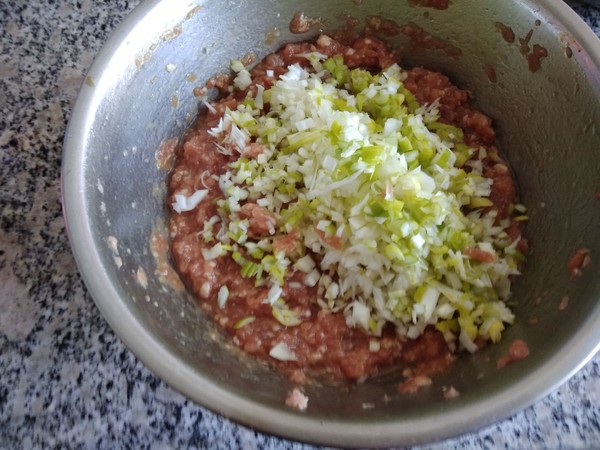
[183, 203]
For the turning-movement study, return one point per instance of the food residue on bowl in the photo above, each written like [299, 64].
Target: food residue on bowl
[507, 32]
[113, 245]
[450, 393]
[564, 302]
[141, 277]
[297, 399]
[337, 214]
[159, 247]
[422, 40]
[272, 35]
[166, 154]
[436, 4]
[579, 261]
[517, 351]
[301, 23]
[491, 73]
[533, 55]
[414, 384]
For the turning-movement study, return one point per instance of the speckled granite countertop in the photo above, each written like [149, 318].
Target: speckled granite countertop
[65, 378]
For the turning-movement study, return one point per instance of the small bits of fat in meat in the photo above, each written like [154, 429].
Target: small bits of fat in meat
[220, 82]
[296, 399]
[579, 261]
[335, 242]
[414, 384]
[329, 46]
[253, 150]
[517, 351]
[261, 222]
[289, 244]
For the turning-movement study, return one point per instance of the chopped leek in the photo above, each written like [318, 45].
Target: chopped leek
[371, 183]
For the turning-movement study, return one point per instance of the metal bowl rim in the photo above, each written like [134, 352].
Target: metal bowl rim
[577, 351]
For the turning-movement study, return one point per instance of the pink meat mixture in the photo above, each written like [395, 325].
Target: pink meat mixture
[323, 343]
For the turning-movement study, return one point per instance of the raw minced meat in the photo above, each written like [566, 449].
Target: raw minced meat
[261, 279]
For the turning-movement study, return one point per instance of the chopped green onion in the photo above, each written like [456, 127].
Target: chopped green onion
[244, 321]
[284, 315]
[368, 188]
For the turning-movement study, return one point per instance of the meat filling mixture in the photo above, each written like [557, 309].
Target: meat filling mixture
[338, 215]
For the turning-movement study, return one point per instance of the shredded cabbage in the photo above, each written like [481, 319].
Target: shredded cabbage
[373, 186]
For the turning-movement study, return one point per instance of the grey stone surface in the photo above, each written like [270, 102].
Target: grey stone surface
[66, 380]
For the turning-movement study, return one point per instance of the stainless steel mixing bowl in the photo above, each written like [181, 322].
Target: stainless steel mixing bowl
[139, 92]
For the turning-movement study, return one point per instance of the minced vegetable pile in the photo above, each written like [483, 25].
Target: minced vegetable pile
[383, 207]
